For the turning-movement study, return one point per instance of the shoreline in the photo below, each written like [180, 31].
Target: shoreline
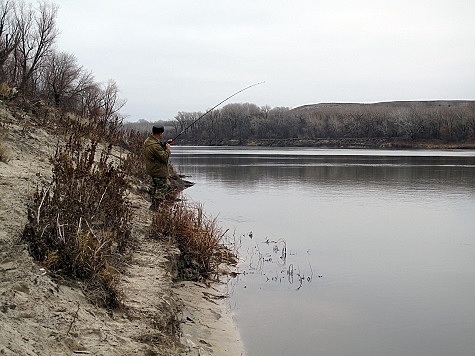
[206, 324]
[209, 325]
[341, 143]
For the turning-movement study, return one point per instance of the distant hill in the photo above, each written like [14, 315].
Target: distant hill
[389, 105]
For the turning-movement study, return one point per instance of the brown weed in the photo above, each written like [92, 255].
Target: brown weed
[82, 219]
[198, 238]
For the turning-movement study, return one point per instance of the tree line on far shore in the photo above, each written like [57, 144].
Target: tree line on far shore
[247, 123]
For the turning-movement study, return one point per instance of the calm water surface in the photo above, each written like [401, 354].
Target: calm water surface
[345, 252]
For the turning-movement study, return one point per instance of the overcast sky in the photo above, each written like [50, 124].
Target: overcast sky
[177, 55]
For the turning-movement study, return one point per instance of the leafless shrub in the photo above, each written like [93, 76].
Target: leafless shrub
[81, 221]
[198, 238]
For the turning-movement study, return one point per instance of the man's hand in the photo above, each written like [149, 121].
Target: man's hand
[168, 144]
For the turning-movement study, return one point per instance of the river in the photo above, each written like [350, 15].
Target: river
[345, 252]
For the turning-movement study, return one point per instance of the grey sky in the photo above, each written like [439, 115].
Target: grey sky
[177, 55]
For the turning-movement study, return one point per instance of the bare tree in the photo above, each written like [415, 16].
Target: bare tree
[111, 103]
[37, 33]
[100, 102]
[61, 73]
[184, 119]
[9, 35]
[74, 99]
[91, 101]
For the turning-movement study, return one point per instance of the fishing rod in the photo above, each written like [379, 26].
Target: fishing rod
[170, 141]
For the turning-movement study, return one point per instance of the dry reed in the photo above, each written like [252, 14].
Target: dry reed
[198, 238]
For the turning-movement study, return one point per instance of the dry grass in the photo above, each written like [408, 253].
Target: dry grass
[198, 238]
[79, 224]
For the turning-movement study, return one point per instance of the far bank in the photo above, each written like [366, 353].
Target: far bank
[350, 143]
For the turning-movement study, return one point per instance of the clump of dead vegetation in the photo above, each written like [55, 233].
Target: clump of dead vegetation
[198, 237]
[80, 223]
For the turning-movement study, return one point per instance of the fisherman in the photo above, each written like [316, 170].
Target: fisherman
[156, 162]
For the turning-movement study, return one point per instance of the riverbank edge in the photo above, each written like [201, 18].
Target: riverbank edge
[341, 143]
[42, 313]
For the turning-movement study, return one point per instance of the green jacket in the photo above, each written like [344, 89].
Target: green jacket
[156, 158]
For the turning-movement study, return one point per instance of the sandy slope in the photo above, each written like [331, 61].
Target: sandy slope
[43, 316]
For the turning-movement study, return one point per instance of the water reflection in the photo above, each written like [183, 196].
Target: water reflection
[295, 166]
[379, 247]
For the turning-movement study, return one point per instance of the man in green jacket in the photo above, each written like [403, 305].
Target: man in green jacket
[156, 163]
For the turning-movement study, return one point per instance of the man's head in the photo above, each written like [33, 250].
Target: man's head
[157, 130]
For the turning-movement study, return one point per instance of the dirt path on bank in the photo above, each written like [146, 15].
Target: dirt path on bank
[41, 315]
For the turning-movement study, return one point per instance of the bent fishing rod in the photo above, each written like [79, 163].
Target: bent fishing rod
[170, 141]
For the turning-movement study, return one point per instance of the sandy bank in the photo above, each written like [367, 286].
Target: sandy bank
[44, 315]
